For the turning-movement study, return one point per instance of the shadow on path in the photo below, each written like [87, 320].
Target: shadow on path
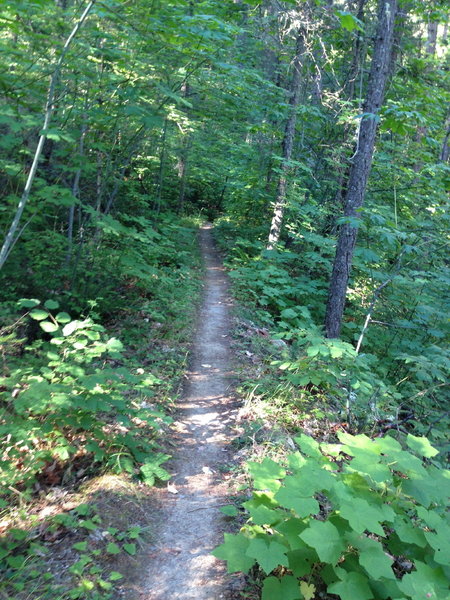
[180, 565]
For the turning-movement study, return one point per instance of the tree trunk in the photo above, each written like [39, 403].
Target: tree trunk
[430, 46]
[10, 239]
[76, 183]
[182, 165]
[445, 150]
[288, 143]
[162, 156]
[357, 55]
[361, 165]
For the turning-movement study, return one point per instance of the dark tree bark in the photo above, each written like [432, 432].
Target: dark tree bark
[162, 159]
[357, 55]
[445, 150]
[288, 143]
[361, 165]
[430, 46]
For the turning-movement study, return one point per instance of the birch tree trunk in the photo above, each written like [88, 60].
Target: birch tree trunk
[361, 165]
[162, 156]
[10, 239]
[288, 143]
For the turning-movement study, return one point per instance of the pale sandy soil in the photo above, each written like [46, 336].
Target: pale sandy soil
[180, 566]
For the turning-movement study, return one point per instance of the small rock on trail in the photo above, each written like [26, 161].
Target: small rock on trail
[180, 565]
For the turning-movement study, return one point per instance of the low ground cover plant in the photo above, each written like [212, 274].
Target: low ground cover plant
[363, 518]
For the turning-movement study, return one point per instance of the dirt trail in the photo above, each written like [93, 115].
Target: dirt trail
[181, 566]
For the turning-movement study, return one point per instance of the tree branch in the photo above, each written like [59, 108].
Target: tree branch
[9, 240]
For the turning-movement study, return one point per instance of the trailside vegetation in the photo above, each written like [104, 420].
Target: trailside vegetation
[316, 134]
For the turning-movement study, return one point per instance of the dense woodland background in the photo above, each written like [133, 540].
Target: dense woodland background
[314, 133]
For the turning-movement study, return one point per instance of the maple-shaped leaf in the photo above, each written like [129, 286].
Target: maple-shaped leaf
[368, 464]
[440, 542]
[409, 533]
[291, 529]
[268, 554]
[301, 560]
[353, 586]
[292, 496]
[296, 461]
[361, 515]
[266, 474]
[262, 515]
[233, 551]
[285, 588]
[308, 590]
[325, 539]
[424, 582]
[421, 445]
[309, 446]
[376, 562]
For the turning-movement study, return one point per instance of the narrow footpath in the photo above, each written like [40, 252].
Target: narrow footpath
[182, 568]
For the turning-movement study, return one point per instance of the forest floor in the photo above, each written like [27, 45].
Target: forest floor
[180, 564]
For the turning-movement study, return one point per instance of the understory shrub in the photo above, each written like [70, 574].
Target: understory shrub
[72, 396]
[361, 520]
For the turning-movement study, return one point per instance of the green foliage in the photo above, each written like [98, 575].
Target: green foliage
[73, 398]
[23, 567]
[364, 518]
[402, 362]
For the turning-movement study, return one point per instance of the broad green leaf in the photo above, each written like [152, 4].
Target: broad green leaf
[64, 451]
[70, 328]
[292, 496]
[114, 345]
[88, 524]
[309, 446]
[291, 530]
[376, 563]
[49, 326]
[233, 550]
[113, 548]
[38, 314]
[288, 313]
[357, 444]
[286, 588]
[421, 446]
[266, 474]
[440, 542]
[336, 352]
[424, 583]
[230, 510]
[105, 585]
[63, 317]
[296, 461]
[51, 304]
[115, 576]
[28, 302]
[348, 21]
[408, 533]
[262, 515]
[430, 517]
[301, 561]
[325, 539]
[17, 561]
[151, 469]
[82, 546]
[130, 548]
[268, 554]
[368, 465]
[361, 515]
[353, 587]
